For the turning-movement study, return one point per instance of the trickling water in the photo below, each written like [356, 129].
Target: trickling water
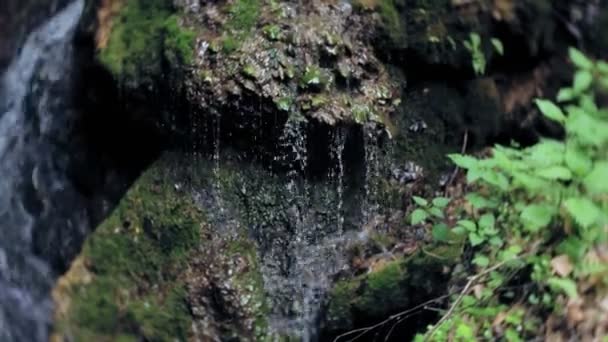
[337, 150]
[372, 170]
[217, 185]
[34, 118]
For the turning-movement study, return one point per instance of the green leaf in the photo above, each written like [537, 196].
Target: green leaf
[436, 212]
[577, 160]
[475, 40]
[473, 175]
[510, 253]
[481, 260]
[464, 332]
[587, 103]
[596, 182]
[496, 241]
[580, 60]
[463, 161]
[587, 129]
[602, 67]
[500, 49]
[546, 153]
[487, 221]
[583, 210]
[479, 202]
[555, 173]
[512, 335]
[537, 216]
[565, 95]
[468, 225]
[459, 230]
[420, 201]
[582, 81]
[574, 247]
[440, 232]
[567, 286]
[550, 110]
[497, 179]
[441, 202]
[418, 216]
[475, 239]
[530, 182]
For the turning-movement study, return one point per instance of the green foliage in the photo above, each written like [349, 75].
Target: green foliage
[478, 58]
[533, 205]
[475, 47]
[273, 32]
[314, 78]
[426, 210]
[144, 34]
[498, 46]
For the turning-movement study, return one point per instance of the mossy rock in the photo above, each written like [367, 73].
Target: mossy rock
[145, 41]
[390, 287]
[138, 272]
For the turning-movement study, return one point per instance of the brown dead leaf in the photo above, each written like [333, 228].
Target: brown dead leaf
[561, 265]
[499, 319]
[478, 290]
[575, 312]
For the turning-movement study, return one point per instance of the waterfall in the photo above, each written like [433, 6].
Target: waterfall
[33, 126]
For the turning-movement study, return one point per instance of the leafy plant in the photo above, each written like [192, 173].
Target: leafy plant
[478, 58]
[538, 213]
[432, 212]
[475, 48]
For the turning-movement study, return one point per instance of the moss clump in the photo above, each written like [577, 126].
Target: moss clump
[251, 281]
[244, 14]
[135, 259]
[392, 23]
[314, 78]
[230, 44]
[144, 34]
[391, 287]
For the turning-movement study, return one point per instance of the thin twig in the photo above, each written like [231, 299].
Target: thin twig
[463, 150]
[464, 292]
[397, 316]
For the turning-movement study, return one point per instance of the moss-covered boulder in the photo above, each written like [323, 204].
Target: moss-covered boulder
[156, 270]
[388, 287]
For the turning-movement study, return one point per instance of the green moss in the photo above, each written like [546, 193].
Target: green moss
[284, 103]
[272, 32]
[339, 312]
[314, 78]
[145, 33]
[243, 14]
[97, 310]
[391, 21]
[230, 44]
[384, 290]
[162, 320]
[391, 287]
[251, 281]
[136, 257]
[178, 42]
